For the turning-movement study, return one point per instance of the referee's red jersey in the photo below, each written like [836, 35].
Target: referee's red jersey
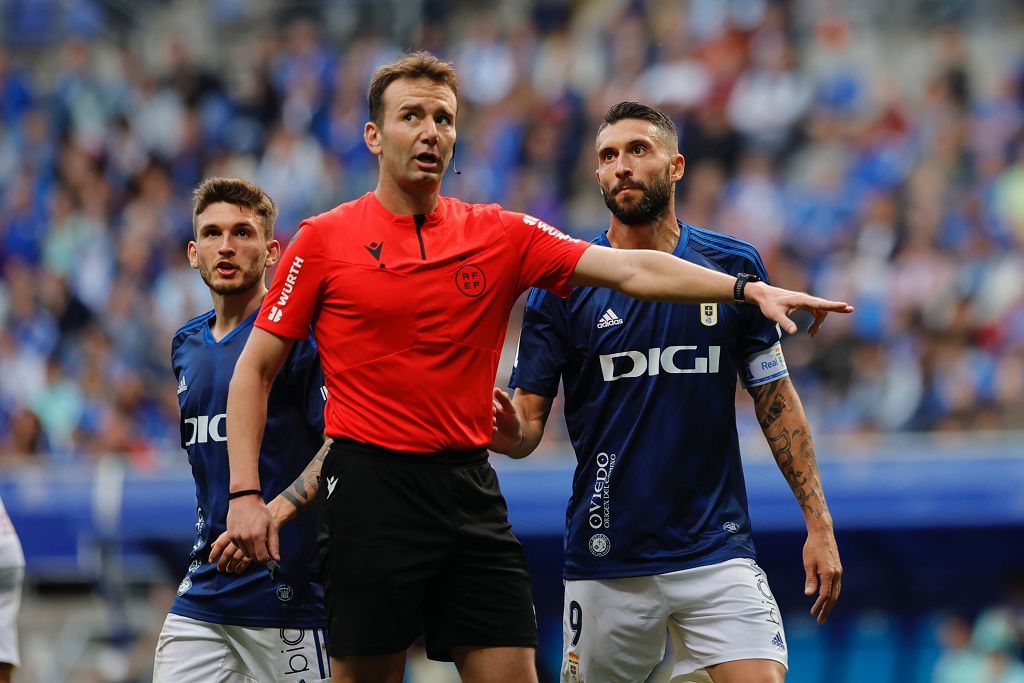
[410, 313]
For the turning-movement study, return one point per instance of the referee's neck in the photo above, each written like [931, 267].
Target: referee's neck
[402, 202]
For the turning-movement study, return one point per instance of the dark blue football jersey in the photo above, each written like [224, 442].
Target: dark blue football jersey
[650, 392]
[293, 435]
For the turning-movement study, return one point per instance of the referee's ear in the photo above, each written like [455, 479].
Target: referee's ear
[371, 136]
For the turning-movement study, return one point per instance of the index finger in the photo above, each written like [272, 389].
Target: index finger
[817, 304]
[218, 547]
[502, 399]
[273, 544]
[827, 597]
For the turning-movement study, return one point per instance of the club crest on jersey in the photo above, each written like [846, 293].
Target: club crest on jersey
[470, 280]
[285, 592]
[709, 315]
[599, 545]
[185, 584]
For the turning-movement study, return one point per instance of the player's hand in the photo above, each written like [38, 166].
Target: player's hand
[228, 556]
[824, 572]
[507, 429]
[777, 304]
[252, 529]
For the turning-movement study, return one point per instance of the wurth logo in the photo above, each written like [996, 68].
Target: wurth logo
[545, 227]
[289, 284]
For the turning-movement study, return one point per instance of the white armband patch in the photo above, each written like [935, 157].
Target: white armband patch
[764, 367]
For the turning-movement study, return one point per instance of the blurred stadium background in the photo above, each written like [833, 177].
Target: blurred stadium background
[872, 150]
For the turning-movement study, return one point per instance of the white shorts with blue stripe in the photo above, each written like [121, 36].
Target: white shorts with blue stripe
[670, 626]
[192, 651]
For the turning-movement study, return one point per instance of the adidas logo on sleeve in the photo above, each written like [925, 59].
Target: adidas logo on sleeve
[609, 319]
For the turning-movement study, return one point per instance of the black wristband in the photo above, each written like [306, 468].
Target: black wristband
[246, 492]
[738, 296]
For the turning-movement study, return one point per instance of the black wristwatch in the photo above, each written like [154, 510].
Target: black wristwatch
[738, 296]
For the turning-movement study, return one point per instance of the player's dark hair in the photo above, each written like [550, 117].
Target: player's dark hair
[414, 65]
[635, 110]
[238, 192]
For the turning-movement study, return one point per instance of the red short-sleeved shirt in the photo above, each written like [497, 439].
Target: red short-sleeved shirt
[409, 318]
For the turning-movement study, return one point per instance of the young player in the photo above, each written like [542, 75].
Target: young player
[254, 623]
[408, 293]
[658, 533]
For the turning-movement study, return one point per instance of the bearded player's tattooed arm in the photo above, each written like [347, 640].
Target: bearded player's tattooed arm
[782, 419]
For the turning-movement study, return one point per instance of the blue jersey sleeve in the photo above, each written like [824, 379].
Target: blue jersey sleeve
[308, 378]
[543, 346]
[757, 332]
[758, 345]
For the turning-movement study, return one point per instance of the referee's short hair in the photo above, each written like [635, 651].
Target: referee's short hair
[635, 110]
[420, 64]
[238, 192]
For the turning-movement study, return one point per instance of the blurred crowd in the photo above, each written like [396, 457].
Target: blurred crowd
[886, 168]
[988, 649]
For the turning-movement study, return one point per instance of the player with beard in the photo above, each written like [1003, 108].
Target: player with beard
[248, 624]
[658, 537]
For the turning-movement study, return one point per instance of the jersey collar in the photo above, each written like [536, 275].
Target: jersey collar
[684, 239]
[434, 217]
[208, 336]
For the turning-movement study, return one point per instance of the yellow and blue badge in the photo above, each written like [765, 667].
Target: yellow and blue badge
[709, 315]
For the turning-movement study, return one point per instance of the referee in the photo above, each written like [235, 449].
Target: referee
[408, 293]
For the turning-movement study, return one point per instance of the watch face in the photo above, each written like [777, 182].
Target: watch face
[741, 282]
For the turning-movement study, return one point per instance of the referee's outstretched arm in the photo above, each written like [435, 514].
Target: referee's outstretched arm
[656, 276]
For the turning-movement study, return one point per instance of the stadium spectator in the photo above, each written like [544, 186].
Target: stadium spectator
[891, 168]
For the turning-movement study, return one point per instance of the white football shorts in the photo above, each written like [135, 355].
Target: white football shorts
[617, 630]
[192, 651]
[11, 579]
[12, 575]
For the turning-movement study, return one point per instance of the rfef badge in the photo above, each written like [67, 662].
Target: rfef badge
[573, 670]
[709, 315]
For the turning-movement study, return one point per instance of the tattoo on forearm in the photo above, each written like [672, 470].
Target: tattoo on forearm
[303, 490]
[769, 402]
[806, 492]
[790, 431]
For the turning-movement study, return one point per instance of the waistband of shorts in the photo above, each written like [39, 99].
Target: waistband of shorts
[352, 448]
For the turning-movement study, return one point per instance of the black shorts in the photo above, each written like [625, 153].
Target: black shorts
[414, 544]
